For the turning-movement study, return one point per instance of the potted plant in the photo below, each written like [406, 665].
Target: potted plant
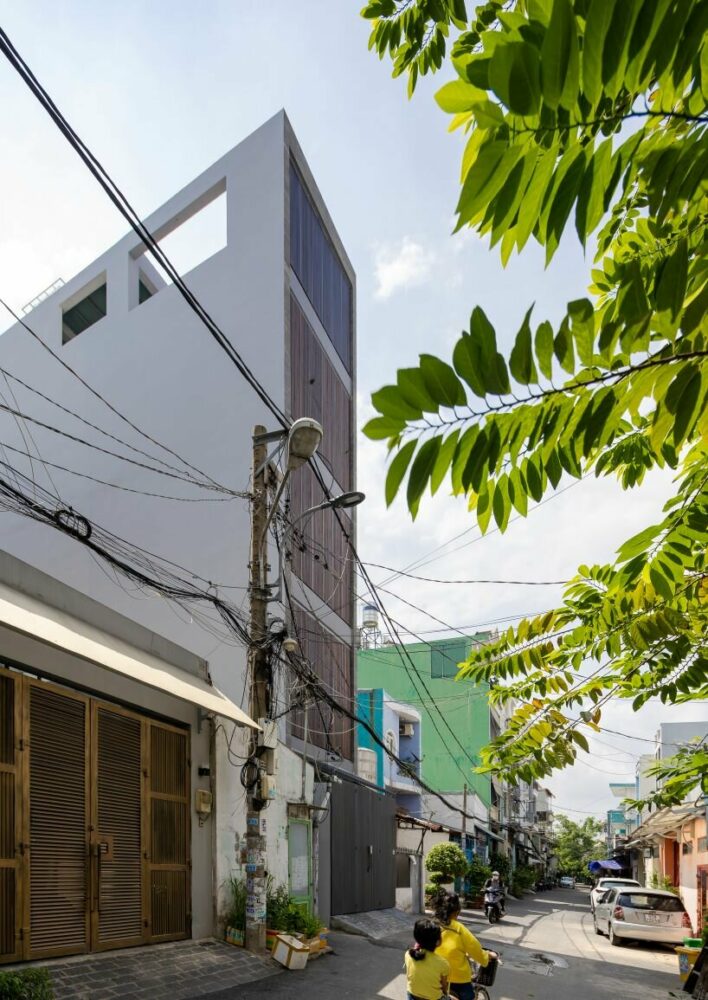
[445, 863]
[477, 875]
[28, 984]
[235, 915]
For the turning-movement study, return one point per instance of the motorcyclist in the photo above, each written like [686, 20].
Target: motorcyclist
[496, 885]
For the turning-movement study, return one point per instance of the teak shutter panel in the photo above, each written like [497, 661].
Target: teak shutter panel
[58, 822]
[116, 838]
[10, 818]
[169, 865]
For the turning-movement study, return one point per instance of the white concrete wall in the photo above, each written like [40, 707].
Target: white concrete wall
[157, 364]
[434, 811]
[688, 870]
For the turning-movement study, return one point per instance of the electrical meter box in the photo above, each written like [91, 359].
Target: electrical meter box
[269, 736]
[267, 787]
[203, 801]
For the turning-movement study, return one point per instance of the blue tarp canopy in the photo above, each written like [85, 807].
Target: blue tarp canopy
[609, 865]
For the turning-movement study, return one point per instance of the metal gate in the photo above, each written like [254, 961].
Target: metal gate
[363, 838]
[94, 825]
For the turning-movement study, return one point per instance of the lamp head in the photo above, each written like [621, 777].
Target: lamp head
[303, 441]
[350, 499]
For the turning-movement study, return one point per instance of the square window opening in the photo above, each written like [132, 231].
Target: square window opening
[194, 235]
[89, 309]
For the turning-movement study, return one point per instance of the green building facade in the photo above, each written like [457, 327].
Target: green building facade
[464, 705]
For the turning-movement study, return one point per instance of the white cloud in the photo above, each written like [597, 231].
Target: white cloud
[402, 265]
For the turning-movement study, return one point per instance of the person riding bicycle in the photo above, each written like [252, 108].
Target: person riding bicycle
[495, 884]
[458, 946]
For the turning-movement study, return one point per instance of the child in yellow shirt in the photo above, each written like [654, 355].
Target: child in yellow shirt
[426, 972]
[457, 946]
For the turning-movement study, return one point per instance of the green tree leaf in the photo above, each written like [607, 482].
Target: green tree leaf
[559, 57]
[441, 381]
[671, 281]
[458, 95]
[521, 361]
[391, 403]
[421, 471]
[514, 76]
[544, 348]
[597, 25]
[397, 470]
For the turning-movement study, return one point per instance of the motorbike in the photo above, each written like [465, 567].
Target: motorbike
[493, 905]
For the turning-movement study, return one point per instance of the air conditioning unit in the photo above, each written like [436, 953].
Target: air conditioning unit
[405, 729]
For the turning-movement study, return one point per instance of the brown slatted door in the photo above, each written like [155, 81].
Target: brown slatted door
[168, 866]
[116, 836]
[58, 817]
[10, 818]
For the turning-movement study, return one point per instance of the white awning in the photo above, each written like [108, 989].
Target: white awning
[50, 625]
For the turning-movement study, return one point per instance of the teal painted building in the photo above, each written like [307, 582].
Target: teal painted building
[444, 765]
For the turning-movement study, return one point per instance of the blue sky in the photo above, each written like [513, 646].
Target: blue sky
[161, 90]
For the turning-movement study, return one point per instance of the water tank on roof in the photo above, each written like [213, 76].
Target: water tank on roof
[370, 617]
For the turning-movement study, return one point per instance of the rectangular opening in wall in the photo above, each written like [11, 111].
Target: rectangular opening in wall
[84, 309]
[192, 236]
[146, 289]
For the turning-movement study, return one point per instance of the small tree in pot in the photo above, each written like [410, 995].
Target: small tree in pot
[445, 863]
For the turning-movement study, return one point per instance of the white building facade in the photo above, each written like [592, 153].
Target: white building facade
[282, 289]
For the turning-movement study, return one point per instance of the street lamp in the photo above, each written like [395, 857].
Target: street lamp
[344, 501]
[303, 440]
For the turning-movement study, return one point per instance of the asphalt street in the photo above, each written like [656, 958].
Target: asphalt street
[550, 952]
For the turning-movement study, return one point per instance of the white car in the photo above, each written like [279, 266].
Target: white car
[629, 914]
[566, 882]
[603, 884]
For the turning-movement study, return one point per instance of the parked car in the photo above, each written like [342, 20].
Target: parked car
[629, 914]
[603, 884]
[566, 882]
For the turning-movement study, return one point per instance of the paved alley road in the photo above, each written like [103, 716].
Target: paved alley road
[550, 952]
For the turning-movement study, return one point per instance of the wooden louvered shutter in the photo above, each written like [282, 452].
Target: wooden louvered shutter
[10, 818]
[116, 838]
[169, 855]
[59, 796]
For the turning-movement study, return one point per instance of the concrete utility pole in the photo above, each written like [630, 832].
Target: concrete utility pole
[258, 675]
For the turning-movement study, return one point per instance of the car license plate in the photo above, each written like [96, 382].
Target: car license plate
[653, 918]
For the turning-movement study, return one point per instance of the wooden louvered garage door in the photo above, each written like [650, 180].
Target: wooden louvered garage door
[59, 796]
[116, 838]
[10, 819]
[94, 824]
[169, 868]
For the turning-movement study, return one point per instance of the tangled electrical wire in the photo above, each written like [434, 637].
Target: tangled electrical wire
[146, 570]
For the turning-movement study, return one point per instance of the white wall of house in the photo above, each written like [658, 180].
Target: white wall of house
[157, 364]
[435, 811]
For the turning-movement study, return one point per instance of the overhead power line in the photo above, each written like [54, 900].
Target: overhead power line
[129, 213]
[202, 482]
[101, 543]
[430, 579]
[94, 392]
[118, 486]
[98, 447]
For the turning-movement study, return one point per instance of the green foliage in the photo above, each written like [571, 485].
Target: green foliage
[29, 984]
[501, 863]
[477, 875]
[445, 862]
[283, 913]
[663, 882]
[678, 776]
[577, 844]
[590, 114]
[235, 913]
[523, 878]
